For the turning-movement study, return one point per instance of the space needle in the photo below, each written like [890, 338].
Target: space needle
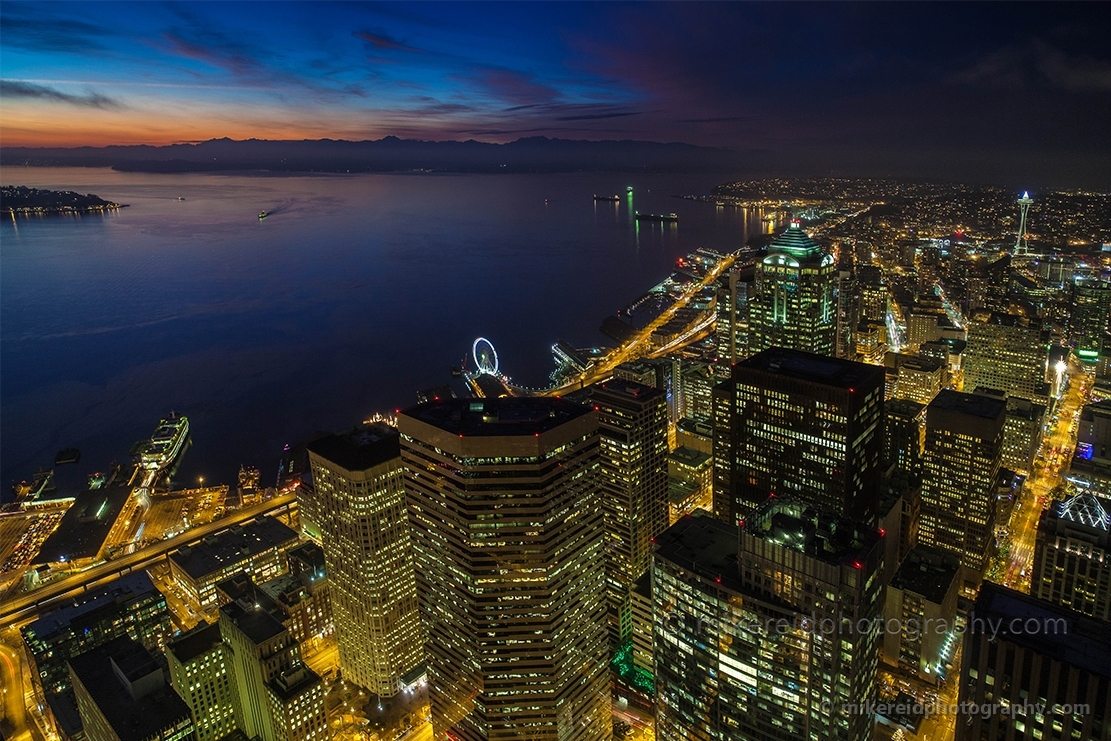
[1022, 244]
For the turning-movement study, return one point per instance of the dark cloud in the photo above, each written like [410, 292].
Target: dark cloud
[518, 88]
[719, 119]
[593, 116]
[25, 90]
[54, 35]
[381, 41]
[1034, 64]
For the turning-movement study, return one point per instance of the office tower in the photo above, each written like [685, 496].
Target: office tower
[632, 420]
[1072, 555]
[1008, 353]
[922, 327]
[964, 442]
[1043, 668]
[731, 330]
[921, 600]
[919, 379]
[1088, 320]
[905, 436]
[792, 423]
[1091, 461]
[874, 299]
[200, 672]
[659, 373]
[1022, 432]
[642, 622]
[698, 380]
[278, 697]
[364, 530]
[129, 606]
[761, 642]
[509, 534]
[794, 302]
[122, 695]
[871, 342]
[257, 547]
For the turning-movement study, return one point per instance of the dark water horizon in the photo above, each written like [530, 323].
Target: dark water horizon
[354, 294]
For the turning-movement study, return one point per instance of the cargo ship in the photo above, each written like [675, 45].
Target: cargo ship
[165, 444]
[657, 217]
[606, 198]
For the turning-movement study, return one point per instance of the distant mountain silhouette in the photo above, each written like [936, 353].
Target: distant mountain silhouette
[533, 154]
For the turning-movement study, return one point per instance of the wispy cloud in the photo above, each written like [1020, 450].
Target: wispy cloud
[53, 35]
[29, 91]
[381, 41]
[1037, 64]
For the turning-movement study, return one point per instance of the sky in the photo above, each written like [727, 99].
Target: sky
[995, 85]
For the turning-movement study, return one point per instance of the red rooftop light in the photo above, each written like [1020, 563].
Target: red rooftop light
[857, 565]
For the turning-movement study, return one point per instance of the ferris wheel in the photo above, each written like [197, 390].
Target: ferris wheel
[485, 357]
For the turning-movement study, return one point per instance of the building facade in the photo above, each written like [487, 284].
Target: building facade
[794, 305]
[129, 606]
[257, 547]
[791, 423]
[200, 672]
[278, 697]
[1047, 671]
[364, 530]
[760, 642]
[510, 542]
[632, 420]
[964, 444]
[1008, 353]
[1072, 555]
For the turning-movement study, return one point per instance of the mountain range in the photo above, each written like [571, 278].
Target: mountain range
[391, 154]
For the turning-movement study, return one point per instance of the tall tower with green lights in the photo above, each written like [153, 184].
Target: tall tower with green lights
[794, 306]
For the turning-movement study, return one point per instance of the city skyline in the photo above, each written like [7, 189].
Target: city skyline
[998, 92]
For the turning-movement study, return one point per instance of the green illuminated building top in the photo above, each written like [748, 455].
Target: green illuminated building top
[794, 304]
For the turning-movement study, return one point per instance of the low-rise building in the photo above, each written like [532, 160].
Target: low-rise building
[921, 611]
[122, 695]
[257, 547]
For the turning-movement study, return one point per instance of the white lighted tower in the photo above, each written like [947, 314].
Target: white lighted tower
[1022, 244]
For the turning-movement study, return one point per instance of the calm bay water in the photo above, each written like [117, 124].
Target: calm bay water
[357, 292]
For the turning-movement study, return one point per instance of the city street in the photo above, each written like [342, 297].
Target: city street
[1052, 459]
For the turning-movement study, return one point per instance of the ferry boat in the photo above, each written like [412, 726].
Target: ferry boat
[606, 198]
[165, 444]
[67, 455]
[628, 189]
[262, 215]
[657, 217]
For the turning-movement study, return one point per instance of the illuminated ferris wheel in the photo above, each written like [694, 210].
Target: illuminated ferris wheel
[485, 357]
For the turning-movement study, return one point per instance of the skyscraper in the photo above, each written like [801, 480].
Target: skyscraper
[1088, 322]
[905, 436]
[794, 305]
[964, 443]
[1072, 555]
[278, 697]
[792, 423]
[509, 533]
[1008, 353]
[633, 422]
[200, 672]
[1045, 669]
[773, 640]
[364, 528]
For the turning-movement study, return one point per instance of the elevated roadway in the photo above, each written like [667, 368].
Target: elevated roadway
[19, 608]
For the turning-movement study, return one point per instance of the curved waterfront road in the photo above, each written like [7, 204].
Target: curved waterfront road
[14, 609]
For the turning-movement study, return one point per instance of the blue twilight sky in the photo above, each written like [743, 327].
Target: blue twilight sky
[966, 84]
